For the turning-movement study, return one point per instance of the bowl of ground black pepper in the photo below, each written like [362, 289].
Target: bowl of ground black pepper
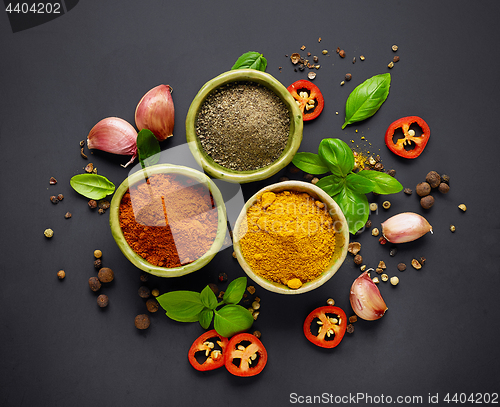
[168, 220]
[291, 237]
[243, 126]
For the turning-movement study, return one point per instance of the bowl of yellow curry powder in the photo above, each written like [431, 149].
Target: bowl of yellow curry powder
[291, 237]
[168, 220]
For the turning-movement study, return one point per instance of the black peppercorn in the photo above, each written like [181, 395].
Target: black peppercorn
[393, 251]
[392, 172]
[54, 199]
[222, 277]
[358, 259]
[98, 263]
[445, 178]
[144, 277]
[144, 292]
[214, 288]
[348, 76]
[308, 177]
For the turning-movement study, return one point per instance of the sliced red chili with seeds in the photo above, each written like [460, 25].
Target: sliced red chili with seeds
[208, 351]
[246, 355]
[325, 326]
[409, 145]
[308, 97]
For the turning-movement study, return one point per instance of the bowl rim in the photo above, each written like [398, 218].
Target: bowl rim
[244, 75]
[316, 192]
[138, 261]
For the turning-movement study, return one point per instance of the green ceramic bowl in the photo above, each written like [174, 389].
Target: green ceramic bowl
[294, 138]
[137, 260]
[341, 237]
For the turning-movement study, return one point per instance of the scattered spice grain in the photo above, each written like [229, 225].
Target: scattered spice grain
[67, 215]
[416, 264]
[103, 300]
[94, 284]
[61, 274]
[48, 233]
[105, 275]
[142, 321]
[144, 292]
[401, 267]
[152, 305]
[52, 181]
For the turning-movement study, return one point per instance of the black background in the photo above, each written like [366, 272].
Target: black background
[440, 334]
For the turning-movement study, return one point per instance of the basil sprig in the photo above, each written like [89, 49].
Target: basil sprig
[366, 98]
[190, 306]
[148, 148]
[92, 186]
[251, 60]
[347, 188]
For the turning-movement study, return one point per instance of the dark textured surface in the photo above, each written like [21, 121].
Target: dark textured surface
[440, 334]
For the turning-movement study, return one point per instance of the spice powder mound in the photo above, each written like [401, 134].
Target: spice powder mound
[288, 237]
[243, 126]
[170, 220]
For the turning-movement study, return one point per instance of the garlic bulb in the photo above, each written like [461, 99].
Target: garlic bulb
[114, 135]
[155, 112]
[405, 227]
[366, 300]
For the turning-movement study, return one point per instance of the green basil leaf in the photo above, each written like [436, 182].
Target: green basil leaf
[148, 148]
[366, 98]
[355, 207]
[358, 183]
[205, 317]
[383, 183]
[310, 163]
[331, 184]
[92, 186]
[235, 290]
[338, 155]
[182, 306]
[232, 319]
[251, 60]
[208, 298]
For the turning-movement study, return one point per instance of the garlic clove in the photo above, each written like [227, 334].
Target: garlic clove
[366, 300]
[405, 227]
[155, 112]
[114, 135]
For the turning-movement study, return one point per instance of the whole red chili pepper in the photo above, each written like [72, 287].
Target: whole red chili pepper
[410, 139]
[309, 98]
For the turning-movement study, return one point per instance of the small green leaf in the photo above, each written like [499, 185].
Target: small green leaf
[182, 306]
[358, 183]
[251, 60]
[331, 184]
[208, 298]
[92, 186]
[338, 155]
[383, 183]
[366, 98]
[232, 319]
[355, 208]
[310, 163]
[205, 317]
[148, 148]
[235, 290]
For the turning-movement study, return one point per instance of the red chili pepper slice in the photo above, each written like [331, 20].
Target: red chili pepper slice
[329, 324]
[417, 142]
[246, 355]
[309, 98]
[214, 355]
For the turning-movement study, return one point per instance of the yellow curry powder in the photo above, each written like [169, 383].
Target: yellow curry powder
[288, 237]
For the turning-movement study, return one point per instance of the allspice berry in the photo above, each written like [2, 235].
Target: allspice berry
[144, 292]
[152, 305]
[142, 321]
[433, 178]
[102, 300]
[94, 284]
[444, 188]
[105, 275]
[427, 201]
[358, 259]
[423, 189]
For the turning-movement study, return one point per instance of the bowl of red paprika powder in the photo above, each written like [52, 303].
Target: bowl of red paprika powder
[243, 126]
[168, 220]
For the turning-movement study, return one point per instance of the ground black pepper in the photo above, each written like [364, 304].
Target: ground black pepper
[243, 126]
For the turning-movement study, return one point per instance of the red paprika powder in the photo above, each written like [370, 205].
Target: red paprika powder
[169, 220]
